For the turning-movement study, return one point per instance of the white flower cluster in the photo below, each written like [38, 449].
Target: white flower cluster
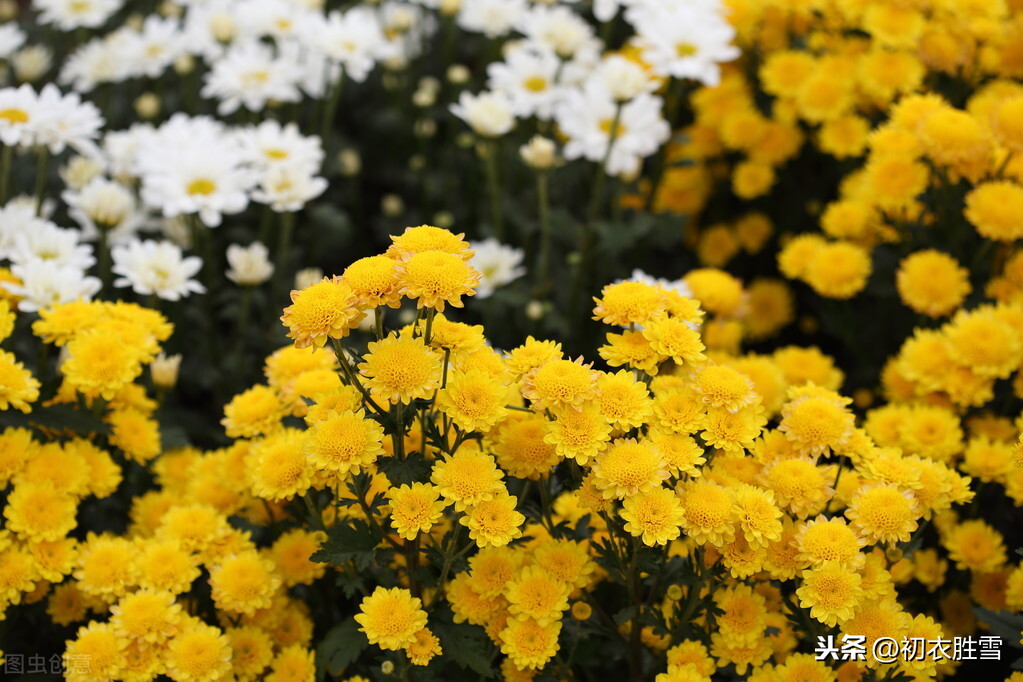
[602, 103]
[49, 119]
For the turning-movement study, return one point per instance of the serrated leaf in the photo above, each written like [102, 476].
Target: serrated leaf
[1002, 623]
[353, 541]
[340, 647]
[467, 646]
[412, 469]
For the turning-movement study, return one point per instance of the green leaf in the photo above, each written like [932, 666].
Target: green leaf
[466, 645]
[172, 436]
[353, 541]
[1002, 623]
[340, 647]
[412, 469]
[60, 418]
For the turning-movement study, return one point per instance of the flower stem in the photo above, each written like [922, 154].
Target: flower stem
[543, 198]
[283, 247]
[5, 171]
[494, 188]
[330, 112]
[42, 157]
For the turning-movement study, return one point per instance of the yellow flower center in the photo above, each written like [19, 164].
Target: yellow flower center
[14, 115]
[201, 186]
[535, 84]
[685, 49]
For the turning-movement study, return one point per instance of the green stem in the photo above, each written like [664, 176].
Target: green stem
[5, 172]
[283, 247]
[42, 157]
[353, 376]
[543, 198]
[601, 175]
[494, 189]
[104, 260]
[330, 112]
[378, 319]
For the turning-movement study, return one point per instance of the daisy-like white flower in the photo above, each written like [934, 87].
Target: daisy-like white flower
[557, 28]
[249, 265]
[64, 120]
[31, 63]
[623, 77]
[287, 188]
[492, 18]
[19, 109]
[150, 267]
[277, 19]
[499, 264]
[587, 116]
[68, 15]
[193, 166]
[489, 114]
[47, 242]
[120, 149]
[101, 60]
[47, 283]
[18, 217]
[685, 40]
[155, 47]
[104, 206]
[250, 75]
[352, 39]
[271, 144]
[527, 77]
[11, 38]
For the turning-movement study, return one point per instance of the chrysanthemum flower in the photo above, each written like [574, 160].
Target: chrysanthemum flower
[521, 447]
[560, 384]
[673, 338]
[694, 653]
[631, 349]
[97, 652]
[883, 513]
[251, 650]
[984, 342]
[816, 420]
[254, 412]
[759, 516]
[55, 558]
[290, 554]
[579, 434]
[733, 431]
[344, 443]
[531, 354]
[624, 402]
[567, 560]
[468, 605]
[428, 238]
[494, 522]
[491, 568]
[456, 337]
[278, 466]
[974, 545]
[628, 302]
[135, 434]
[18, 572]
[529, 644]
[436, 278]
[474, 400]
[742, 613]
[200, 652]
[875, 619]
[536, 594]
[800, 486]
[106, 566]
[723, 386]
[425, 647]
[243, 583]
[163, 564]
[932, 283]
[681, 454]
[150, 616]
[40, 512]
[325, 310]
[401, 368]
[679, 410]
[374, 282]
[414, 509]
[655, 516]
[99, 364]
[466, 478]
[828, 540]
[292, 663]
[629, 467]
[831, 591]
[710, 513]
[391, 618]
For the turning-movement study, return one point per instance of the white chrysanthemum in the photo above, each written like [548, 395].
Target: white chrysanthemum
[557, 28]
[150, 267]
[18, 217]
[499, 264]
[193, 166]
[277, 19]
[44, 241]
[120, 148]
[250, 75]
[71, 14]
[623, 78]
[492, 18]
[685, 41]
[45, 284]
[101, 60]
[528, 77]
[64, 120]
[31, 63]
[155, 47]
[587, 117]
[489, 113]
[249, 265]
[352, 39]
[288, 189]
[11, 38]
[19, 111]
[271, 144]
[104, 205]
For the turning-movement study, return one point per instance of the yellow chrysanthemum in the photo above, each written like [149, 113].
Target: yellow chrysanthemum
[521, 447]
[401, 368]
[831, 591]
[883, 513]
[800, 486]
[491, 568]
[39, 512]
[278, 467]
[18, 388]
[992, 208]
[672, 338]
[436, 278]
[97, 652]
[374, 281]
[629, 467]
[474, 400]
[253, 412]
[166, 565]
[428, 238]
[624, 402]
[390, 618]
[100, 364]
[152, 617]
[579, 434]
[345, 443]
[106, 566]
[538, 595]
[494, 522]
[710, 513]
[974, 545]
[199, 653]
[531, 354]
[529, 644]
[467, 478]
[251, 651]
[932, 282]
[425, 647]
[816, 420]
[631, 349]
[560, 384]
[243, 583]
[655, 516]
[325, 310]
[414, 508]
